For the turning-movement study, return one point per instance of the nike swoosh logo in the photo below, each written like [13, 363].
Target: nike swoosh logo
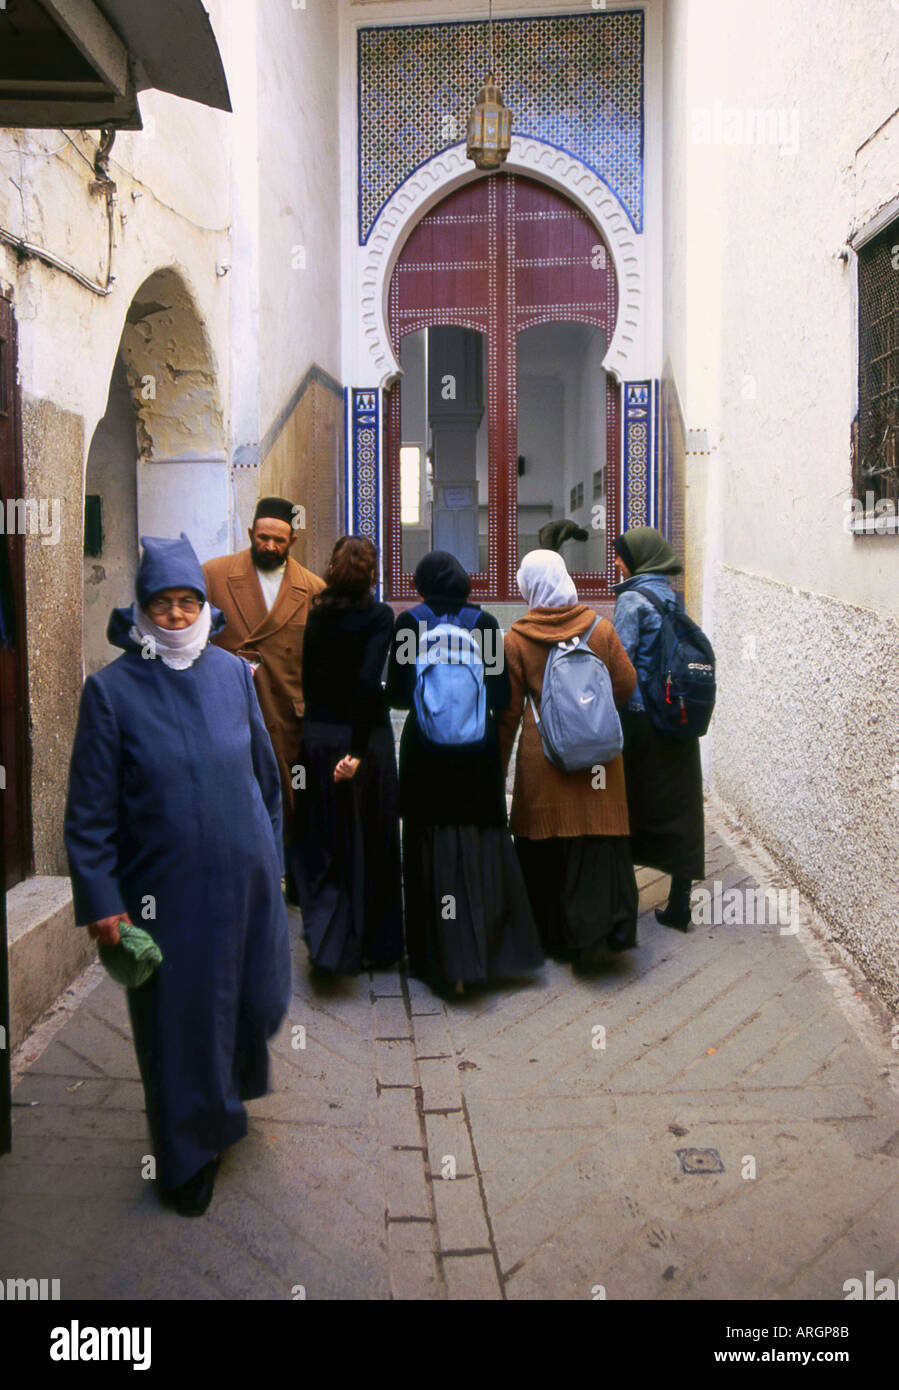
[585, 699]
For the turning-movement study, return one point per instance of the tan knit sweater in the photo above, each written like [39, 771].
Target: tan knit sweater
[546, 802]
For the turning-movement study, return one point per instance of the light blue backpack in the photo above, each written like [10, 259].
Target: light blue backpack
[450, 699]
[577, 720]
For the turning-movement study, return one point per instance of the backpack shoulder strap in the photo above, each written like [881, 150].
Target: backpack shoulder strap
[423, 613]
[654, 599]
[585, 636]
[468, 617]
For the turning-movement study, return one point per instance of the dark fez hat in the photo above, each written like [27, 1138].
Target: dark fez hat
[277, 507]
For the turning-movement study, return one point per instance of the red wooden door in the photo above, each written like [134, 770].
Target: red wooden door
[500, 256]
[13, 742]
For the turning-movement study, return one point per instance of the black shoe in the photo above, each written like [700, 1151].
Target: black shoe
[192, 1198]
[667, 919]
[677, 911]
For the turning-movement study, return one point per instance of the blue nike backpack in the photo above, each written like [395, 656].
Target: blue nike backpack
[577, 720]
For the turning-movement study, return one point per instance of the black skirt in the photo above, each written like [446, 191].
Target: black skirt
[345, 851]
[467, 911]
[583, 892]
[664, 798]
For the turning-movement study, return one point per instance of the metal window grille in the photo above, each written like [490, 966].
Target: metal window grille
[877, 448]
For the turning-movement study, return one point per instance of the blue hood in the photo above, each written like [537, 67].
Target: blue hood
[167, 564]
[121, 621]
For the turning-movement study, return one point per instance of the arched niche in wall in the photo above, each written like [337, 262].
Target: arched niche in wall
[157, 460]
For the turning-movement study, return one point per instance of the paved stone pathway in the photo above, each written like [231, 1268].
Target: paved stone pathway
[502, 1146]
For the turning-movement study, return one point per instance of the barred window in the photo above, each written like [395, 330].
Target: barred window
[876, 463]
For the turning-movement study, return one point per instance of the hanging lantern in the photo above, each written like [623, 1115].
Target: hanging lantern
[489, 128]
[490, 123]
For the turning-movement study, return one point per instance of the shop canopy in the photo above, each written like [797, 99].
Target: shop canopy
[81, 63]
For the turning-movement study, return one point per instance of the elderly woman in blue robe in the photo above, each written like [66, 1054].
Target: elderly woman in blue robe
[173, 823]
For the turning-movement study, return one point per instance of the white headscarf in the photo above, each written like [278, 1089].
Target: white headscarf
[178, 648]
[544, 581]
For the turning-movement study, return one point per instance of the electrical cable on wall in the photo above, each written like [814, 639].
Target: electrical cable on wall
[27, 249]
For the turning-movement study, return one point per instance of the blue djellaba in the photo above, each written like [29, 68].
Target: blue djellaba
[174, 801]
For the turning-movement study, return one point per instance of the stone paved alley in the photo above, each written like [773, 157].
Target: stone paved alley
[741, 1040]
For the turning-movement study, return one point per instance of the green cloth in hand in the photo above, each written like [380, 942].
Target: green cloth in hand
[133, 961]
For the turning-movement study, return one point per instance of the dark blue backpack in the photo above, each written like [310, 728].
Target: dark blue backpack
[679, 692]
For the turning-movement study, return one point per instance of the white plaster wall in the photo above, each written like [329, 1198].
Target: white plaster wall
[761, 333]
[787, 376]
[299, 225]
[69, 336]
[173, 207]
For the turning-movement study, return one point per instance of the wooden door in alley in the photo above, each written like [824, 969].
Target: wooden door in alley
[511, 286]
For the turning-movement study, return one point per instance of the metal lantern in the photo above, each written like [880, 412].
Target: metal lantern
[489, 128]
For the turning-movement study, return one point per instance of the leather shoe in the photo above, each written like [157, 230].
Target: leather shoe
[192, 1198]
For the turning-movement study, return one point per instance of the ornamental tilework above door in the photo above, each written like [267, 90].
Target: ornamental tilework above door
[572, 81]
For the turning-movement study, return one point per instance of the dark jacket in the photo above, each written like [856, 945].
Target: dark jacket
[449, 786]
[344, 653]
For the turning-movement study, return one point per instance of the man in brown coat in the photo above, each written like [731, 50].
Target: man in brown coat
[265, 596]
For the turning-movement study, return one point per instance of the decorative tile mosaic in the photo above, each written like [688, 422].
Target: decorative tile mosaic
[573, 81]
[639, 498]
[366, 467]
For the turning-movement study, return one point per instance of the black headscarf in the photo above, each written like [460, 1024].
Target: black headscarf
[439, 578]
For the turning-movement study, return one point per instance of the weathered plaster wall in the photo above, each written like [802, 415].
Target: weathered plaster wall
[171, 209]
[53, 454]
[806, 751]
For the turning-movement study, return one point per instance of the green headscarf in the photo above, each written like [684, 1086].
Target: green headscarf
[645, 551]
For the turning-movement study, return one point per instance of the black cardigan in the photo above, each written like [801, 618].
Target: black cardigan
[343, 658]
[450, 786]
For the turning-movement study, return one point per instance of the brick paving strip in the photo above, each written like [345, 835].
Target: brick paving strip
[490, 1147]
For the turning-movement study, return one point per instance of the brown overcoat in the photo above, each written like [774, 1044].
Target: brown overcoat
[546, 802]
[233, 586]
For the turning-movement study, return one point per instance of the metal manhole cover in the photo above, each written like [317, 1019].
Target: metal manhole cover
[700, 1161]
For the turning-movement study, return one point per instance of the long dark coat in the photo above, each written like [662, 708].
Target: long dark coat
[345, 852]
[174, 816]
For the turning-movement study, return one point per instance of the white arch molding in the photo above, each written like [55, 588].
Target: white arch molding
[449, 170]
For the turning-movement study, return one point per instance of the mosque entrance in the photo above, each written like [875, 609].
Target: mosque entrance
[504, 427]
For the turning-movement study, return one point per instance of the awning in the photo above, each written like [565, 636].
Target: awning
[81, 63]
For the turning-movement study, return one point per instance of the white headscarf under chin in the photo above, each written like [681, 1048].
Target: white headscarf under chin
[544, 581]
[178, 648]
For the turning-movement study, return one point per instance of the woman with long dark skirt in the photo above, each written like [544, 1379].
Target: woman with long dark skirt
[570, 828]
[468, 918]
[345, 852]
[664, 777]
